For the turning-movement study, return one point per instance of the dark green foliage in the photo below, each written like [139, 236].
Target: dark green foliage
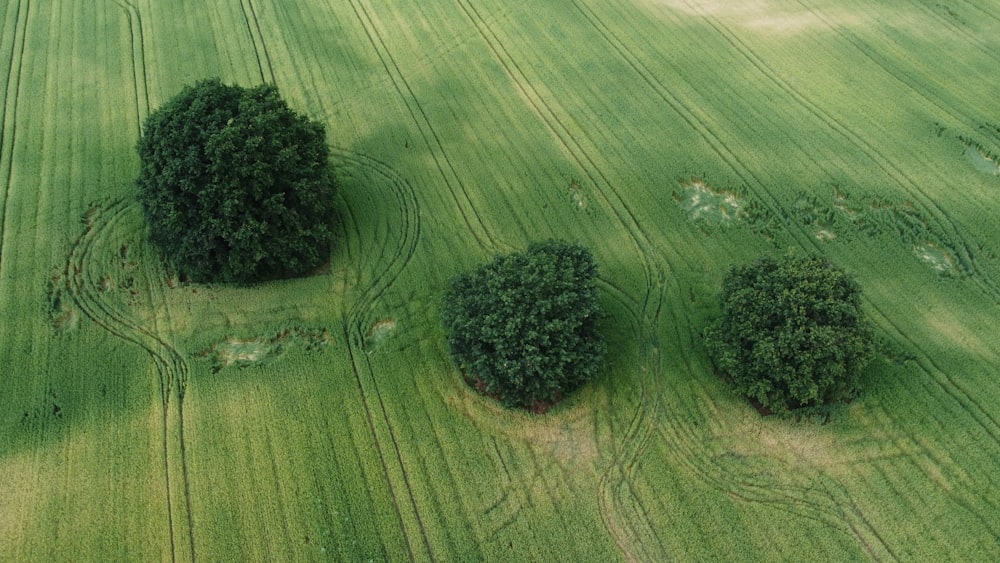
[792, 333]
[236, 186]
[523, 326]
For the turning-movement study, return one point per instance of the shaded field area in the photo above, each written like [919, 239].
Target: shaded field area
[320, 418]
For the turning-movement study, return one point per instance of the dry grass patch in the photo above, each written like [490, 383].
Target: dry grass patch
[703, 203]
[379, 332]
[936, 257]
[247, 352]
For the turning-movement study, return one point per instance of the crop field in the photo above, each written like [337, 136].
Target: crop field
[144, 418]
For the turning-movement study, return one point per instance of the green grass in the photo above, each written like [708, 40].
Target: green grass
[320, 418]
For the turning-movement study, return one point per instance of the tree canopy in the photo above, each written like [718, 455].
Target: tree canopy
[235, 185]
[792, 333]
[522, 328]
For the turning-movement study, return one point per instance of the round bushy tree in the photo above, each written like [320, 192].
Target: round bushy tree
[522, 328]
[792, 333]
[235, 186]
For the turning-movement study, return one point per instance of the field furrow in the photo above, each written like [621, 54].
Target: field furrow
[8, 111]
[968, 249]
[84, 282]
[257, 36]
[401, 229]
[695, 438]
[137, 46]
[430, 138]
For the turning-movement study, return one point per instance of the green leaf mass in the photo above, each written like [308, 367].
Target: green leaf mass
[524, 325]
[235, 186]
[792, 333]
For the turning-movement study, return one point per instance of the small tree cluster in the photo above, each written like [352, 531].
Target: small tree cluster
[523, 327]
[792, 333]
[235, 185]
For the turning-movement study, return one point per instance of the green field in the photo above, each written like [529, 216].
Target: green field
[143, 418]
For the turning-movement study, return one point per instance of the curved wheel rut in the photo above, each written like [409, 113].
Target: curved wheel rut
[636, 435]
[966, 248]
[137, 44]
[389, 262]
[460, 193]
[82, 277]
[650, 413]
[658, 266]
[614, 492]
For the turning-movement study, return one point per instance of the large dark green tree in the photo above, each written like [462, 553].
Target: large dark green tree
[792, 333]
[522, 328]
[236, 186]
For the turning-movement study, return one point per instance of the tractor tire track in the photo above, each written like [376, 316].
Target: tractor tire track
[811, 500]
[564, 135]
[155, 289]
[573, 147]
[952, 21]
[449, 44]
[257, 38]
[137, 44]
[171, 367]
[871, 55]
[861, 525]
[689, 115]
[615, 481]
[402, 251]
[975, 504]
[965, 247]
[81, 279]
[460, 194]
[982, 11]
[968, 497]
[399, 89]
[621, 469]
[951, 387]
[509, 503]
[944, 222]
[8, 117]
[399, 254]
[824, 507]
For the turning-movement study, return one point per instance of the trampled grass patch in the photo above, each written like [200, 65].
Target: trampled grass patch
[379, 332]
[247, 352]
[982, 161]
[935, 257]
[459, 129]
[702, 203]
